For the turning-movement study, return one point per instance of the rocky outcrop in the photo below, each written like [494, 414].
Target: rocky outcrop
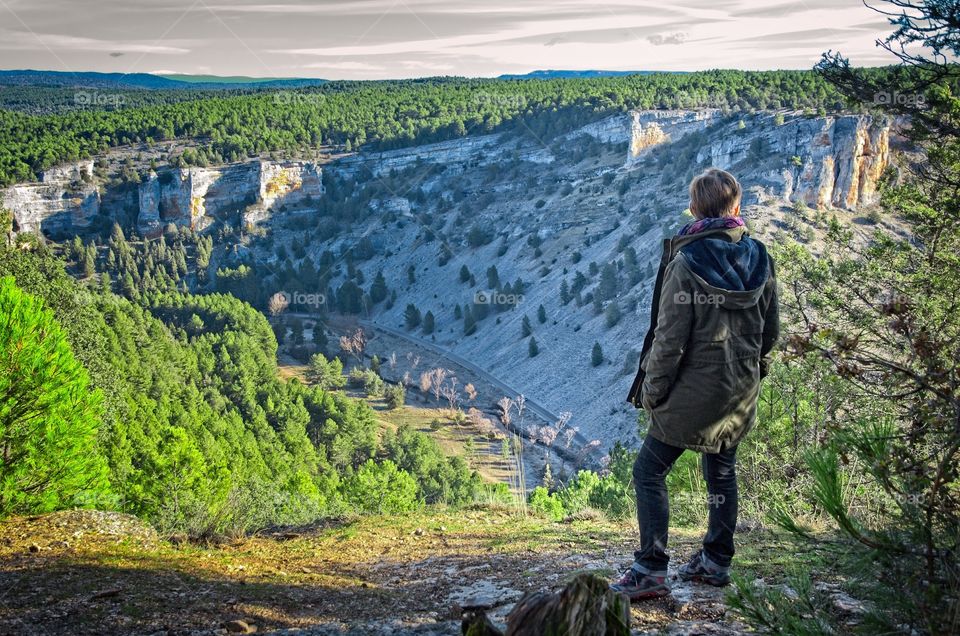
[58, 209]
[454, 155]
[247, 192]
[831, 161]
[825, 162]
[66, 202]
[653, 127]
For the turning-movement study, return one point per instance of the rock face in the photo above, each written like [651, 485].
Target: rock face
[195, 197]
[653, 127]
[831, 161]
[826, 161]
[65, 202]
[57, 208]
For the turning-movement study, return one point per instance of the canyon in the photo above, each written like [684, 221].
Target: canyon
[837, 162]
[553, 210]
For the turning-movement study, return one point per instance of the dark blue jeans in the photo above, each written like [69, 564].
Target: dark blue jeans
[653, 507]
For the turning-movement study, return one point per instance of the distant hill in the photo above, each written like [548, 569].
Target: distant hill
[89, 79]
[233, 81]
[551, 74]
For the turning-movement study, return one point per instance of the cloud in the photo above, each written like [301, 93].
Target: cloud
[659, 39]
[344, 66]
[20, 40]
[407, 38]
[423, 65]
[602, 28]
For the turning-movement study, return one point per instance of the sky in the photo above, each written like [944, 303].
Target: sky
[377, 39]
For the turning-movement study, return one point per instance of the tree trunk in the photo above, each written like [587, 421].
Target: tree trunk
[586, 606]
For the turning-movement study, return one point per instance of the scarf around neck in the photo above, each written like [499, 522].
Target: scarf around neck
[711, 223]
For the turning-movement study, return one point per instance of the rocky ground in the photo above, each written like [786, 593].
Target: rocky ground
[79, 572]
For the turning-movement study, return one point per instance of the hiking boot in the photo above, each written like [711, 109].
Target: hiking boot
[639, 584]
[701, 569]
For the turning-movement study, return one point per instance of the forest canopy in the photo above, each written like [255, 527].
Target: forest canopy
[383, 114]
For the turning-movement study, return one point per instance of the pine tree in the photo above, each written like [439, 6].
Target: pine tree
[48, 412]
[541, 314]
[464, 274]
[378, 289]
[428, 323]
[411, 316]
[89, 261]
[533, 349]
[548, 482]
[612, 313]
[493, 277]
[564, 292]
[525, 328]
[596, 355]
[608, 286]
[327, 375]
[469, 322]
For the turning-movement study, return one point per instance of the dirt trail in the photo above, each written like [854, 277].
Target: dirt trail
[103, 573]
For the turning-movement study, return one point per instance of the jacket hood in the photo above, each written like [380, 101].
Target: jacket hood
[729, 263]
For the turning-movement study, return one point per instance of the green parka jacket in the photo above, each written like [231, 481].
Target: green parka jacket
[714, 320]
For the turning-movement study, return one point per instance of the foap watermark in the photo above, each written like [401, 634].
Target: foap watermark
[713, 500]
[888, 98]
[284, 299]
[293, 97]
[493, 297]
[910, 498]
[500, 99]
[698, 298]
[94, 98]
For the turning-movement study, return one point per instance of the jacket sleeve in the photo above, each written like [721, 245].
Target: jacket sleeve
[771, 323]
[674, 324]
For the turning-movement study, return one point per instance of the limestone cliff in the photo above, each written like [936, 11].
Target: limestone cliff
[653, 127]
[63, 201]
[822, 161]
[833, 161]
[195, 197]
[66, 201]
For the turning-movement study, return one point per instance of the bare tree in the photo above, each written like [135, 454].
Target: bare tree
[278, 303]
[471, 392]
[425, 382]
[482, 423]
[450, 393]
[520, 403]
[505, 405]
[437, 376]
[588, 448]
[354, 344]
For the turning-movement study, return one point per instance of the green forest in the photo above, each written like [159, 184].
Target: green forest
[386, 114]
[180, 416]
[135, 376]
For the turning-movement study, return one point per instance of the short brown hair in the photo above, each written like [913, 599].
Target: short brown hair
[714, 193]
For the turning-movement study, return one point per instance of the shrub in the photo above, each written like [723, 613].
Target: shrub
[48, 413]
[373, 384]
[596, 355]
[544, 503]
[380, 488]
[326, 374]
[396, 395]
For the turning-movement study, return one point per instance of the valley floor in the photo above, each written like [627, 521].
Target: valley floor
[84, 572]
